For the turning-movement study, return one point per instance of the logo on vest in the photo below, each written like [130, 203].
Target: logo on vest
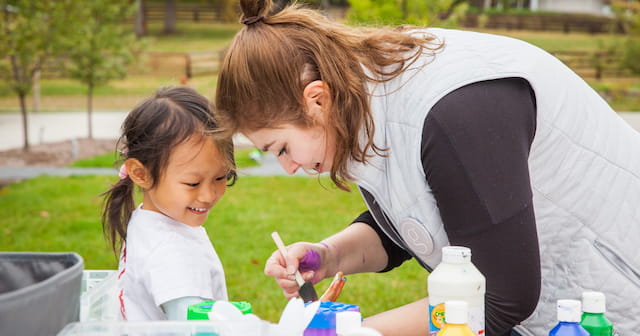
[416, 237]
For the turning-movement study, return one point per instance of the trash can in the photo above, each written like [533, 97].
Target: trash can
[39, 292]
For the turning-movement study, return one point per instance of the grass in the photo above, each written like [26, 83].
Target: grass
[108, 160]
[53, 214]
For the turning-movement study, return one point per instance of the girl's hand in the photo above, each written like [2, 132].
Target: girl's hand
[310, 259]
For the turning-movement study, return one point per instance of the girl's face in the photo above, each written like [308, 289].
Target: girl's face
[296, 147]
[192, 183]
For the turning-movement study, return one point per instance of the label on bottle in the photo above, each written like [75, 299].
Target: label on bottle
[437, 319]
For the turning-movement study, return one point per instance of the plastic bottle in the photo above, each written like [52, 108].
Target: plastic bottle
[569, 312]
[456, 278]
[593, 319]
[349, 323]
[456, 321]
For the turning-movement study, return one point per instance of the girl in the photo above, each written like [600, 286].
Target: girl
[172, 152]
[452, 137]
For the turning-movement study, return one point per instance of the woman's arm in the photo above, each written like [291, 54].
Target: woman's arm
[355, 249]
[475, 150]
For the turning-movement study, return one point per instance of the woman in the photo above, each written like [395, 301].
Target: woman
[454, 138]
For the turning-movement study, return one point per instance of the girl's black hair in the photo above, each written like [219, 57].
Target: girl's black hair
[149, 133]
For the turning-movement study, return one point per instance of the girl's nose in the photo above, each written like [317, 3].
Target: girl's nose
[208, 194]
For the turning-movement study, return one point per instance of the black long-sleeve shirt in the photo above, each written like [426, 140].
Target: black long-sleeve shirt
[475, 147]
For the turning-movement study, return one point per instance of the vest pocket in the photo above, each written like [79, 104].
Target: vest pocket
[618, 262]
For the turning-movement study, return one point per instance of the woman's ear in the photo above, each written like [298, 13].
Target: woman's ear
[315, 95]
[138, 173]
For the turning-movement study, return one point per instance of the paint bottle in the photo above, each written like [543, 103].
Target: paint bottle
[456, 321]
[456, 278]
[349, 323]
[569, 313]
[593, 319]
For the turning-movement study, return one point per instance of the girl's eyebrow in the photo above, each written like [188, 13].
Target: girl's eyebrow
[266, 147]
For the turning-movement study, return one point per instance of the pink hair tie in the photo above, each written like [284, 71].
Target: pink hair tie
[123, 173]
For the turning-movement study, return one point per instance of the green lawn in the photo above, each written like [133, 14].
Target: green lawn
[108, 160]
[63, 214]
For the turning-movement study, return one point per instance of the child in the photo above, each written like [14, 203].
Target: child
[173, 153]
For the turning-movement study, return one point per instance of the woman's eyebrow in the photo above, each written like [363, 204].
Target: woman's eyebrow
[267, 146]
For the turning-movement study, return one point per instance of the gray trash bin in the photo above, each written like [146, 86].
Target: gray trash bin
[39, 292]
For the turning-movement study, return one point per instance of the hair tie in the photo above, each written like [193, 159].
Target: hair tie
[251, 20]
[123, 173]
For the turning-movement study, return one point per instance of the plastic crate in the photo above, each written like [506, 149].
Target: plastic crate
[99, 299]
[151, 328]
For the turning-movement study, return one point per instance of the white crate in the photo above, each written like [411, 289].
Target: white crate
[150, 328]
[99, 299]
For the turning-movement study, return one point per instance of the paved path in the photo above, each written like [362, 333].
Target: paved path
[52, 127]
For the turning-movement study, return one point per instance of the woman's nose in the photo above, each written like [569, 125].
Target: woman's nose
[289, 166]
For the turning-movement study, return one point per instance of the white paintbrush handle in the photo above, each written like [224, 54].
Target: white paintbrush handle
[283, 250]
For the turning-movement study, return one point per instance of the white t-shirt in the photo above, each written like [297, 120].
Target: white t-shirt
[163, 260]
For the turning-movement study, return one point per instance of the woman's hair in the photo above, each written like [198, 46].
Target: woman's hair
[149, 133]
[277, 53]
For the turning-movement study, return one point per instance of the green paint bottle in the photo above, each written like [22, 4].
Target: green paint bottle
[593, 319]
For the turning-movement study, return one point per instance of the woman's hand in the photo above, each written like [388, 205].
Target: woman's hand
[310, 259]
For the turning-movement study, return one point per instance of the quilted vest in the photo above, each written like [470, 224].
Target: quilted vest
[584, 167]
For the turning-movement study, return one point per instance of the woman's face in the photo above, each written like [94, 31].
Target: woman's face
[309, 148]
[296, 147]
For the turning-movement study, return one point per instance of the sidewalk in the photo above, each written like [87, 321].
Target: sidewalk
[51, 127]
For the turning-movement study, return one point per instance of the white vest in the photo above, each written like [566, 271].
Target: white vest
[584, 165]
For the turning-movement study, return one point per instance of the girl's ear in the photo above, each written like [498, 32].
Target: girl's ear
[138, 173]
[316, 97]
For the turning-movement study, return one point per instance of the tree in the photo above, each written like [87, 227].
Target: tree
[169, 17]
[414, 12]
[32, 32]
[103, 49]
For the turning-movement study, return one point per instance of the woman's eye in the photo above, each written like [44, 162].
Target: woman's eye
[282, 151]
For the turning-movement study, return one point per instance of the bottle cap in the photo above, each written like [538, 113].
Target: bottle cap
[346, 321]
[569, 311]
[456, 312]
[593, 302]
[456, 254]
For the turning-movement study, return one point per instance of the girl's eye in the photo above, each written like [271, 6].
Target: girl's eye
[282, 151]
[192, 184]
[223, 177]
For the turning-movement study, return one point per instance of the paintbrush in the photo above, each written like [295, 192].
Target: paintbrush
[306, 291]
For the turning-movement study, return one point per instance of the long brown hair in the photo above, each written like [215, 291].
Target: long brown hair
[149, 134]
[277, 53]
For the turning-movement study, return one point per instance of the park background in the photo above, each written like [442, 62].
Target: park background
[105, 56]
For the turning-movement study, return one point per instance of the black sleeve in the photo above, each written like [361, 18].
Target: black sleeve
[475, 147]
[395, 254]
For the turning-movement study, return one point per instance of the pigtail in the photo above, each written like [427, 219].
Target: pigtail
[118, 206]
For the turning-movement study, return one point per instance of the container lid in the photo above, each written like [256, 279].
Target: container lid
[456, 254]
[200, 311]
[347, 321]
[593, 302]
[325, 317]
[569, 310]
[456, 312]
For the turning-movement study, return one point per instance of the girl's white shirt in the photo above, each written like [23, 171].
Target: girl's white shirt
[163, 260]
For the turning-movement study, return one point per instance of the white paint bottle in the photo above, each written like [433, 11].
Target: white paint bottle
[456, 278]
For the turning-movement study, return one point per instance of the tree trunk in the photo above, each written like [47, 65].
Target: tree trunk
[140, 22]
[169, 16]
[25, 129]
[90, 111]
